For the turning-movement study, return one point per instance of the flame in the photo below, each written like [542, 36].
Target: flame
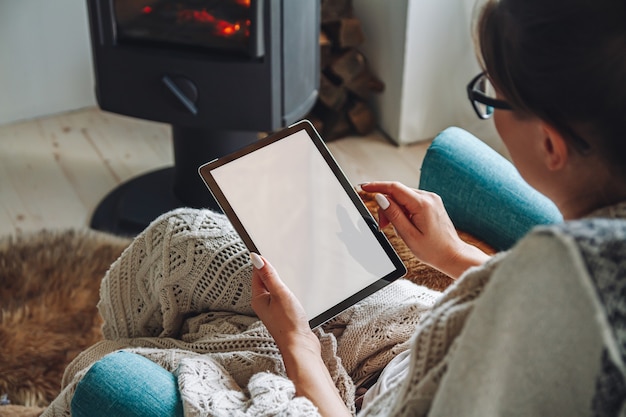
[222, 27]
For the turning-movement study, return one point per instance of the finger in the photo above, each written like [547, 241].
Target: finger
[383, 221]
[259, 290]
[408, 198]
[383, 186]
[395, 214]
[267, 274]
[258, 286]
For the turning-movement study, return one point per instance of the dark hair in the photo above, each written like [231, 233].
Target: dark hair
[563, 61]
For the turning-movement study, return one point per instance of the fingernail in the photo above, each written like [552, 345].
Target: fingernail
[382, 201]
[256, 260]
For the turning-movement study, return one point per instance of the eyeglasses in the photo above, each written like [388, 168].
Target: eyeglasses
[482, 95]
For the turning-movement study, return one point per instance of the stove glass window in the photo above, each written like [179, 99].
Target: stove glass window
[222, 25]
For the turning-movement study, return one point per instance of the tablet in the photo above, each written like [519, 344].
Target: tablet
[289, 201]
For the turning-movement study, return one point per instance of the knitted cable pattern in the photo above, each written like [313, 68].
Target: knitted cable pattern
[380, 327]
[431, 347]
[183, 288]
[185, 262]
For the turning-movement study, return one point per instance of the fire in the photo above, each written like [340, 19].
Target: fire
[222, 27]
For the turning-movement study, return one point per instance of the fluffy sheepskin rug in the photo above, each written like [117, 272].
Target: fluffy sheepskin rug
[49, 288]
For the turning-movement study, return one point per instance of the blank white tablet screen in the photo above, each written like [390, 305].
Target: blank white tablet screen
[301, 219]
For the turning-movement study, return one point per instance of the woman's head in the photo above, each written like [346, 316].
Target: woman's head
[564, 62]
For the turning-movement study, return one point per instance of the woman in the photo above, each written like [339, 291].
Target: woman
[538, 330]
[558, 71]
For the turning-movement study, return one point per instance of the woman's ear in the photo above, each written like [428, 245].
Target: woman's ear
[554, 146]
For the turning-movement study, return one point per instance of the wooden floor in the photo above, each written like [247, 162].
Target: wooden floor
[55, 170]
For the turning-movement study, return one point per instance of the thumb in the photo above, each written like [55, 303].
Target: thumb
[392, 213]
[266, 272]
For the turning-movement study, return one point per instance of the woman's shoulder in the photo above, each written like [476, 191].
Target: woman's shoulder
[603, 227]
[548, 332]
[580, 266]
[596, 246]
[600, 242]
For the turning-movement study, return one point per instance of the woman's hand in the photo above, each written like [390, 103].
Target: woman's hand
[284, 317]
[421, 220]
[279, 309]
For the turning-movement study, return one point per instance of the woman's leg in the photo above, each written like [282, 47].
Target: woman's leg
[482, 191]
[186, 262]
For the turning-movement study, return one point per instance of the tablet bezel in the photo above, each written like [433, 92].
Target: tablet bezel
[304, 125]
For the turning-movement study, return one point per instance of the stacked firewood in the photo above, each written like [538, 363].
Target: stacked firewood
[346, 83]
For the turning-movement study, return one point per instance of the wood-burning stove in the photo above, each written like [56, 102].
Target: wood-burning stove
[218, 71]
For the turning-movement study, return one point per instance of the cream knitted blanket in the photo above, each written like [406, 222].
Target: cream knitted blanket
[180, 296]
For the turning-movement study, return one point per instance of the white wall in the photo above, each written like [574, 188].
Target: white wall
[423, 51]
[45, 58]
